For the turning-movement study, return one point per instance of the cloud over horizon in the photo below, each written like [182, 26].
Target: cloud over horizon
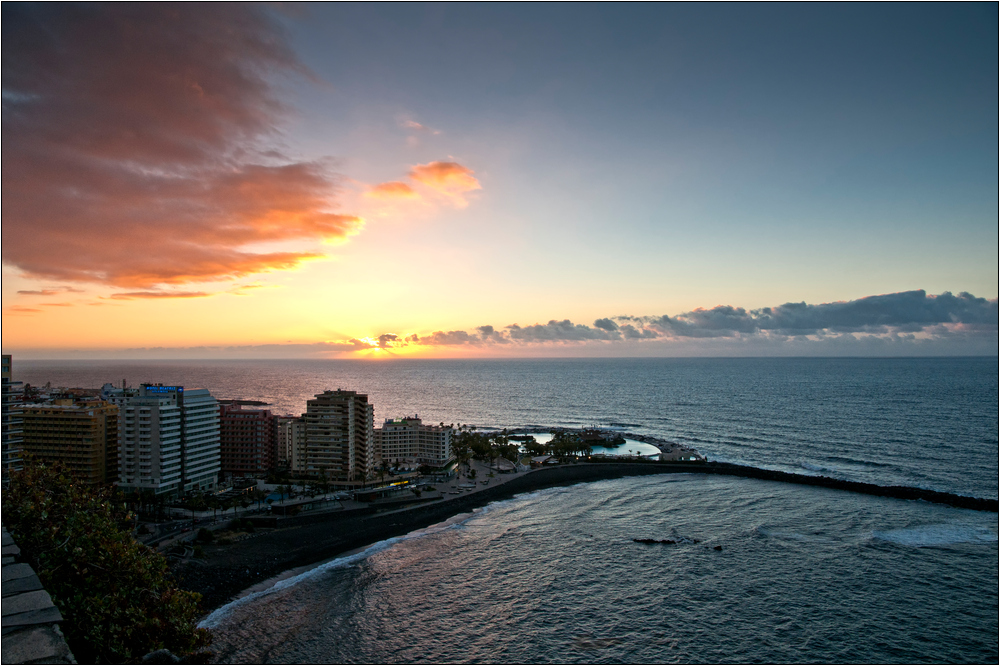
[904, 312]
[138, 146]
[911, 315]
[906, 323]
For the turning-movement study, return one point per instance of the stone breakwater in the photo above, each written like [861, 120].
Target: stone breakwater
[304, 540]
[898, 492]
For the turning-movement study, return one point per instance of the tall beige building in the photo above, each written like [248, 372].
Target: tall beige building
[339, 436]
[82, 435]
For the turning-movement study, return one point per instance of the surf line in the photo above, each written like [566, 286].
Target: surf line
[296, 576]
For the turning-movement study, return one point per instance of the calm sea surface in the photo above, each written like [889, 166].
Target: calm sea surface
[930, 423]
[804, 574]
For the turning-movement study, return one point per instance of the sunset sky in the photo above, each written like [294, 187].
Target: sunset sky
[367, 181]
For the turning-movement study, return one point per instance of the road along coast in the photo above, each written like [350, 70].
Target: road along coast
[305, 540]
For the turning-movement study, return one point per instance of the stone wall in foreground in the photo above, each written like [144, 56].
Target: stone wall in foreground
[30, 620]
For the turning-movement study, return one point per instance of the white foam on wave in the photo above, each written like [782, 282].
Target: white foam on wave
[221, 613]
[929, 536]
[817, 468]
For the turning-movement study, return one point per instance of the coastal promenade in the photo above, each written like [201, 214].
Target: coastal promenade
[309, 539]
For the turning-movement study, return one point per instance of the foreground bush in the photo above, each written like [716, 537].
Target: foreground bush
[115, 596]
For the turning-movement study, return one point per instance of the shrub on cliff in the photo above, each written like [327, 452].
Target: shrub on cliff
[115, 596]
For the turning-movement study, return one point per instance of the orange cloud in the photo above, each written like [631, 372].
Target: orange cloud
[448, 178]
[21, 309]
[134, 295]
[392, 190]
[54, 291]
[241, 290]
[136, 146]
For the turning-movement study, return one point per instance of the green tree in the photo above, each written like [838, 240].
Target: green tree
[565, 444]
[323, 483]
[114, 593]
[535, 448]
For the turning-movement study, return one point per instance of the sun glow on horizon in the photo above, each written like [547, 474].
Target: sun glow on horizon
[308, 201]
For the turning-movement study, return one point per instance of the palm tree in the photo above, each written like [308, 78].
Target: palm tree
[258, 496]
[196, 503]
[212, 502]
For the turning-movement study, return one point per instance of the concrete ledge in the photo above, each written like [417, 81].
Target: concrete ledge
[31, 634]
[17, 571]
[37, 645]
[26, 602]
[19, 585]
[35, 616]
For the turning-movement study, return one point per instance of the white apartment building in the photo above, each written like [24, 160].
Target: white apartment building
[168, 439]
[409, 440]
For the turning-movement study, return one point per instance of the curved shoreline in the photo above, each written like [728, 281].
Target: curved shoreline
[310, 539]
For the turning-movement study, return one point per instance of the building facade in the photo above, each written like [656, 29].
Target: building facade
[292, 442]
[83, 435]
[10, 419]
[169, 440]
[339, 436]
[410, 440]
[247, 440]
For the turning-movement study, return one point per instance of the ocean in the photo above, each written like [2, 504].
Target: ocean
[802, 574]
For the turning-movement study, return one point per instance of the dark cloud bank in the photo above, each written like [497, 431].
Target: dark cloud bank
[912, 316]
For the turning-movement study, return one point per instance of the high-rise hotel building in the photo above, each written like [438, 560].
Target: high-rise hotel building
[169, 440]
[339, 436]
[10, 419]
[247, 439]
[410, 440]
[83, 435]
